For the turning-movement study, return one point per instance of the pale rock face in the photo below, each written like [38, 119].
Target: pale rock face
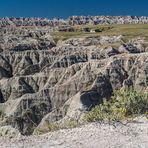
[40, 82]
[66, 24]
[94, 41]
[22, 40]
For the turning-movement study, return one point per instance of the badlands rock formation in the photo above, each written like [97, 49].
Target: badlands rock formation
[42, 81]
[74, 20]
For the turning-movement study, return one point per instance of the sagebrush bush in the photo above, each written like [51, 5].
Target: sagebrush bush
[124, 104]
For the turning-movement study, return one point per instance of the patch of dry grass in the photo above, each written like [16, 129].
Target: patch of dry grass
[127, 30]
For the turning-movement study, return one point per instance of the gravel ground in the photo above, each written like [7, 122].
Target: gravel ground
[94, 135]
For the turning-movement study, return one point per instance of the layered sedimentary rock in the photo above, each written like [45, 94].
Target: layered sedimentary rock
[73, 20]
[43, 82]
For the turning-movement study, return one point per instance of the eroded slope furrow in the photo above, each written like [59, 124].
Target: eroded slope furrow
[40, 82]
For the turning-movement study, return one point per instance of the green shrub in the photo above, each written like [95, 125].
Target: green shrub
[123, 105]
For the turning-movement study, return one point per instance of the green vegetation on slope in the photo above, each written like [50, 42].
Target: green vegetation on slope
[125, 104]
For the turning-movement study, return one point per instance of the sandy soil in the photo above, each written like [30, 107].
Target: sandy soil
[94, 135]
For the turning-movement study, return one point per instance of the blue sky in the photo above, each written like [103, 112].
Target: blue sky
[65, 8]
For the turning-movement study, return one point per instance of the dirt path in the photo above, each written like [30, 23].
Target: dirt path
[94, 135]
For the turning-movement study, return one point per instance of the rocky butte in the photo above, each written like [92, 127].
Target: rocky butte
[55, 70]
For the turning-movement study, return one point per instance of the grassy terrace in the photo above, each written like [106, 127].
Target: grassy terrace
[127, 30]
